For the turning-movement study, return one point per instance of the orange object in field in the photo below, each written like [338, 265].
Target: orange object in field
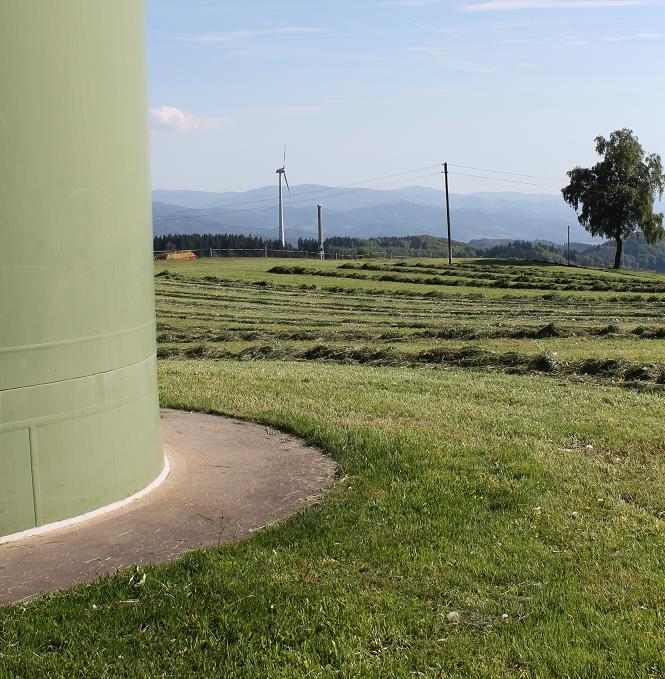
[180, 254]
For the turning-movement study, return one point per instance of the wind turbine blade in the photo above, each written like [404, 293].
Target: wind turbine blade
[287, 184]
[284, 161]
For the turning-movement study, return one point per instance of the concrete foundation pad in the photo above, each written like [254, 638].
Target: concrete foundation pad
[228, 478]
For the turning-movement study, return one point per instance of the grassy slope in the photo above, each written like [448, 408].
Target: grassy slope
[462, 490]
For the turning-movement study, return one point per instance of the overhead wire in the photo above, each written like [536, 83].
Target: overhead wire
[603, 189]
[514, 174]
[297, 198]
[404, 176]
[257, 203]
[499, 179]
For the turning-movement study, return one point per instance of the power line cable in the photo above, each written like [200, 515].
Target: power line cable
[264, 203]
[224, 211]
[499, 179]
[514, 174]
[324, 191]
[603, 189]
[305, 196]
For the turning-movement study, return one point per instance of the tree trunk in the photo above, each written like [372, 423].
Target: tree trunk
[619, 252]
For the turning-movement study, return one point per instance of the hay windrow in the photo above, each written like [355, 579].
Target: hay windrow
[377, 317]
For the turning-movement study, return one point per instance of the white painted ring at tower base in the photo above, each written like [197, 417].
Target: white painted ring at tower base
[68, 523]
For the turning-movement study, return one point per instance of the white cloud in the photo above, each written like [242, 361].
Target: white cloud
[520, 41]
[595, 39]
[235, 37]
[409, 3]
[580, 39]
[442, 54]
[635, 36]
[172, 118]
[443, 31]
[432, 51]
[323, 106]
[512, 5]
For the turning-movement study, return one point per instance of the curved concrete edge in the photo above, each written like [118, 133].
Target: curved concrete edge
[228, 479]
[95, 513]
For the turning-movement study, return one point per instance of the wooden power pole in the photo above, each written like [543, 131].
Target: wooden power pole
[450, 242]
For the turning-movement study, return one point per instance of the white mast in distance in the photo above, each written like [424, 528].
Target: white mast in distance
[282, 172]
[322, 254]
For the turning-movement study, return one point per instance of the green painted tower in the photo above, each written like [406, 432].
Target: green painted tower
[79, 415]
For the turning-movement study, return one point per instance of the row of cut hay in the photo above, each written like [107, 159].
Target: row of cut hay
[555, 297]
[497, 281]
[617, 370]
[535, 276]
[457, 332]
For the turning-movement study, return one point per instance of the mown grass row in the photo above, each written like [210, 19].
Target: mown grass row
[587, 278]
[465, 278]
[612, 369]
[450, 332]
[464, 306]
[356, 285]
[216, 319]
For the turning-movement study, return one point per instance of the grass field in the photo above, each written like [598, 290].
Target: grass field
[500, 434]
[237, 309]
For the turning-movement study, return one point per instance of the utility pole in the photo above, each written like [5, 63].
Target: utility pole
[322, 254]
[450, 243]
[568, 244]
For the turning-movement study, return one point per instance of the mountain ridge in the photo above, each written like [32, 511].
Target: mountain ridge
[366, 212]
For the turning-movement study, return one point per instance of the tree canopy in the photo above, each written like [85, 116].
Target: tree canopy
[615, 198]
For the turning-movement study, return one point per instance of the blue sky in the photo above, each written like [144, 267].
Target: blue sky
[366, 88]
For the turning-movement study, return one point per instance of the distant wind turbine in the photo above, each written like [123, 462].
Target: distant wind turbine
[282, 172]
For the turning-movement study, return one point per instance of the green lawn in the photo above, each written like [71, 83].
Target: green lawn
[466, 488]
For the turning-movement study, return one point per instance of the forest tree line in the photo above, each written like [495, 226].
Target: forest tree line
[637, 253]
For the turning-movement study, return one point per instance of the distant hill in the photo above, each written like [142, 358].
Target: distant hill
[488, 221]
[485, 243]
[367, 213]
[637, 254]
